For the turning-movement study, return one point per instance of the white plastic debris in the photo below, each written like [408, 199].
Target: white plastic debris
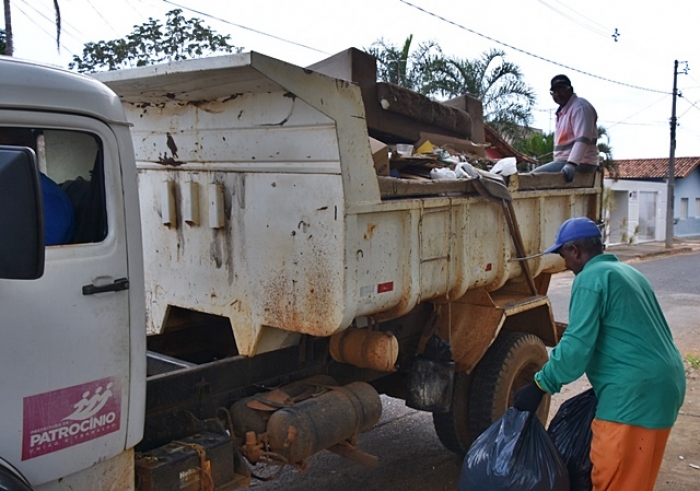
[465, 170]
[505, 167]
[442, 173]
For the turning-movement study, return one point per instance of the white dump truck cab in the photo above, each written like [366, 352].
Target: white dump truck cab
[73, 349]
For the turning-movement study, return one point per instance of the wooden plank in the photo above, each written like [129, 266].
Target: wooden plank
[554, 180]
[392, 187]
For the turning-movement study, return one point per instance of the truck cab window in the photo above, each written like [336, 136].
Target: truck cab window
[72, 182]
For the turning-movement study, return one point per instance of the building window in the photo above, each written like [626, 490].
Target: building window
[697, 207]
[684, 208]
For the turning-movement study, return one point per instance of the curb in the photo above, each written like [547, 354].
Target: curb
[661, 253]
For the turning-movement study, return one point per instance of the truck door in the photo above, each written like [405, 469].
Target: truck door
[65, 336]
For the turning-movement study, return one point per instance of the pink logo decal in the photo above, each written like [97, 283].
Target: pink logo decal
[66, 417]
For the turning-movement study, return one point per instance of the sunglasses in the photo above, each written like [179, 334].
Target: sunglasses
[561, 88]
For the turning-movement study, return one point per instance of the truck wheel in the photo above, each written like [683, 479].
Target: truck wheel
[509, 364]
[481, 397]
[452, 427]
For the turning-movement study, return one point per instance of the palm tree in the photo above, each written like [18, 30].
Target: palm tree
[506, 98]
[8, 28]
[400, 65]
[9, 45]
[605, 151]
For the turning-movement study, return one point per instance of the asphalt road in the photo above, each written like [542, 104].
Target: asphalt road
[410, 454]
[676, 282]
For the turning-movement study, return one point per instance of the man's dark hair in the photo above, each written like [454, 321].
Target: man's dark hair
[592, 245]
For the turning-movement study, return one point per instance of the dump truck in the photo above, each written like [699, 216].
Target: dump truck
[243, 282]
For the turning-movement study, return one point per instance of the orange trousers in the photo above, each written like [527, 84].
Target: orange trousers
[626, 457]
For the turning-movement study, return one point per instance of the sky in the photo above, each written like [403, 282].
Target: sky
[629, 81]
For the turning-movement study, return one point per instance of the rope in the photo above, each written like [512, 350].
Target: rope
[206, 482]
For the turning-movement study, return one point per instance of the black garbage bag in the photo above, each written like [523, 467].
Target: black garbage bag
[570, 431]
[514, 454]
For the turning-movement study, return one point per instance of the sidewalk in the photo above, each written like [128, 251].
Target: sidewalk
[646, 250]
[680, 470]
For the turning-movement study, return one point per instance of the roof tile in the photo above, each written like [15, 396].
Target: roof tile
[652, 168]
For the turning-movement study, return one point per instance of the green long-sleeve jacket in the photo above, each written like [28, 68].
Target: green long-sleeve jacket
[619, 338]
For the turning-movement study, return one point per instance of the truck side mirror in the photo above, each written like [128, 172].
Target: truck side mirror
[21, 215]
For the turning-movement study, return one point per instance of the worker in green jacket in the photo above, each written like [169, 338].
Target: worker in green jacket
[618, 336]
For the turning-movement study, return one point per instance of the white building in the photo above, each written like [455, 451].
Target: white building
[635, 205]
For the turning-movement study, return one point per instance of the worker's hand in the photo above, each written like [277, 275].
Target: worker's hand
[569, 170]
[528, 398]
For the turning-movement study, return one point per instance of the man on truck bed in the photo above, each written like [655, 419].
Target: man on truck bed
[575, 134]
[619, 337]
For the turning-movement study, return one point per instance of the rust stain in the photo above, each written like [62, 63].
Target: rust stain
[371, 227]
[304, 302]
[291, 436]
[232, 97]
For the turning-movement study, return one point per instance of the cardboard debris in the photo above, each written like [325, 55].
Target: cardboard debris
[456, 144]
[380, 156]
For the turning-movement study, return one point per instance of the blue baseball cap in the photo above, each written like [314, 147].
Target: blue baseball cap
[572, 229]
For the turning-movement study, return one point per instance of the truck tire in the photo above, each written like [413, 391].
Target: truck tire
[452, 427]
[11, 479]
[481, 397]
[509, 364]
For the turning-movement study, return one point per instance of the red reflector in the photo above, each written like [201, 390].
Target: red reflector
[489, 266]
[385, 287]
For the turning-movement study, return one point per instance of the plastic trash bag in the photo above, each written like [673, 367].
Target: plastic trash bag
[505, 167]
[465, 170]
[514, 454]
[570, 431]
[442, 173]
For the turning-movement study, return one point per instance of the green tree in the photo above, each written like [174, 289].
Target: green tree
[605, 150]
[498, 83]
[403, 66]
[8, 47]
[2, 41]
[153, 42]
[539, 146]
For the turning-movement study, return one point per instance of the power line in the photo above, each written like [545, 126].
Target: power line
[102, 17]
[51, 35]
[530, 53]
[622, 121]
[134, 8]
[601, 30]
[49, 19]
[246, 28]
[692, 105]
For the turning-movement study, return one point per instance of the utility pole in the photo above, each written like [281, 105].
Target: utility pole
[671, 164]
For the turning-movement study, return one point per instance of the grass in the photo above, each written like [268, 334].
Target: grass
[694, 360]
